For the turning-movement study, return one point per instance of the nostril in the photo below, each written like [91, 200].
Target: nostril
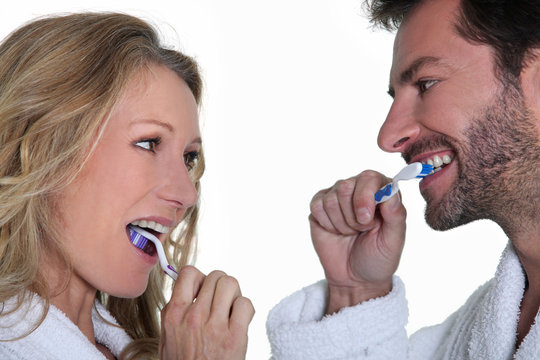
[400, 142]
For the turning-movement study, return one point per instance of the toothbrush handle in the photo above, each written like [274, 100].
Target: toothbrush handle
[386, 192]
[169, 270]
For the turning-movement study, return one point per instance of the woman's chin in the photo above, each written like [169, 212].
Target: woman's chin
[129, 290]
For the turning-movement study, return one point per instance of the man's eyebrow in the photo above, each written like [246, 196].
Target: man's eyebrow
[408, 74]
[166, 125]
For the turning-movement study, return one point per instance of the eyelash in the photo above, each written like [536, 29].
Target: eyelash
[190, 158]
[422, 85]
[153, 143]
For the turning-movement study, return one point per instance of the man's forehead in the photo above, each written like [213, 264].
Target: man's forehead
[427, 31]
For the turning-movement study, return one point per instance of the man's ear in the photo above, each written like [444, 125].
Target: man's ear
[530, 82]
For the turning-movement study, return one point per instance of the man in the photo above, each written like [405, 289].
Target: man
[465, 80]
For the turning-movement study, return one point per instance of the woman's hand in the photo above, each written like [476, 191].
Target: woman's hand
[358, 243]
[206, 318]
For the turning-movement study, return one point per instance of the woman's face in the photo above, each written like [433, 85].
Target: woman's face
[139, 170]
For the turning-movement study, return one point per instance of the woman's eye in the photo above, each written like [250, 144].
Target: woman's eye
[190, 159]
[148, 144]
[424, 85]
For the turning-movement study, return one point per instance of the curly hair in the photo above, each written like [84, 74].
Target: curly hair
[60, 77]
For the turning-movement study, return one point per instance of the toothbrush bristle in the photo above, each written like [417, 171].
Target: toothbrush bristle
[426, 170]
[137, 239]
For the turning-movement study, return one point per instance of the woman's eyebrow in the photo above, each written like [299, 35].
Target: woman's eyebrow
[164, 124]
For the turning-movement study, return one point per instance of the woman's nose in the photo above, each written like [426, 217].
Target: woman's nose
[178, 188]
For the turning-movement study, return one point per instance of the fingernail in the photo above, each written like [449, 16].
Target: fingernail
[363, 216]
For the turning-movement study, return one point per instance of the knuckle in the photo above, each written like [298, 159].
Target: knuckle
[216, 274]
[193, 320]
[174, 310]
[229, 282]
[344, 187]
[316, 206]
[247, 303]
[369, 174]
[189, 271]
[317, 200]
[215, 328]
[171, 316]
[331, 203]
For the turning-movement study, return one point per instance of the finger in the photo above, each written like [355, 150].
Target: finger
[394, 217]
[318, 214]
[227, 290]
[345, 190]
[206, 294]
[187, 286]
[368, 183]
[333, 210]
[242, 314]
[185, 290]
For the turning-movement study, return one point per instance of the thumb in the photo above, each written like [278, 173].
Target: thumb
[393, 214]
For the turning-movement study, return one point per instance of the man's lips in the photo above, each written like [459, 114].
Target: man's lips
[426, 157]
[440, 176]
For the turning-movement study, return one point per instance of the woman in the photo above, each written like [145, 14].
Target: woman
[99, 130]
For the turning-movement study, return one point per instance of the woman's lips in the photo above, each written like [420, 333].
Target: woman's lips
[146, 257]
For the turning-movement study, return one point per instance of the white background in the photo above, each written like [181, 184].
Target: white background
[295, 94]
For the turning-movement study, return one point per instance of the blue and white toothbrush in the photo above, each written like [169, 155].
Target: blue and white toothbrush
[140, 237]
[415, 170]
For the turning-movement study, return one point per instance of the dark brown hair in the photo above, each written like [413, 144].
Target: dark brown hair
[510, 27]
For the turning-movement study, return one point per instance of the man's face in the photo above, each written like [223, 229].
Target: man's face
[449, 105]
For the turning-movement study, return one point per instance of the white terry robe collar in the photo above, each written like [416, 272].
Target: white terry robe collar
[494, 332]
[57, 337]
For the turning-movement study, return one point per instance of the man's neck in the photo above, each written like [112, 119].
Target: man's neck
[528, 250]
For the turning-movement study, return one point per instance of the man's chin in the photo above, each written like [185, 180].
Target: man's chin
[446, 216]
[442, 215]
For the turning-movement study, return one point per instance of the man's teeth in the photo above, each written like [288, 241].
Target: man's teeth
[437, 162]
[152, 225]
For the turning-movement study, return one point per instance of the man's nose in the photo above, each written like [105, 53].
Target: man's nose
[400, 128]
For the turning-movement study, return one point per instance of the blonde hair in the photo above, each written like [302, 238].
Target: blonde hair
[59, 79]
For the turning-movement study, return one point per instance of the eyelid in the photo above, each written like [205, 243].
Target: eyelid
[191, 158]
[155, 141]
[422, 84]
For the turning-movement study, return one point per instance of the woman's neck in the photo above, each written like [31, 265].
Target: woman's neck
[73, 296]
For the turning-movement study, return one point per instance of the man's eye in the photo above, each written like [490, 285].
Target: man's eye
[148, 144]
[190, 159]
[424, 85]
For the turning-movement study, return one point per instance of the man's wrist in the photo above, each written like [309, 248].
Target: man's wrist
[346, 296]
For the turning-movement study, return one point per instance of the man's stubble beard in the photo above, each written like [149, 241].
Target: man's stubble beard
[498, 175]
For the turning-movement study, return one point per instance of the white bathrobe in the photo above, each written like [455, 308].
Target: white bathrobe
[483, 328]
[57, 337]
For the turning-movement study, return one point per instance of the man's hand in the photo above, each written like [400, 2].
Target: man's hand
[206, 318]
[359, 244]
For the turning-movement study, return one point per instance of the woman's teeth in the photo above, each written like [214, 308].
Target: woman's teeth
[152, 225]
[438, 162]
